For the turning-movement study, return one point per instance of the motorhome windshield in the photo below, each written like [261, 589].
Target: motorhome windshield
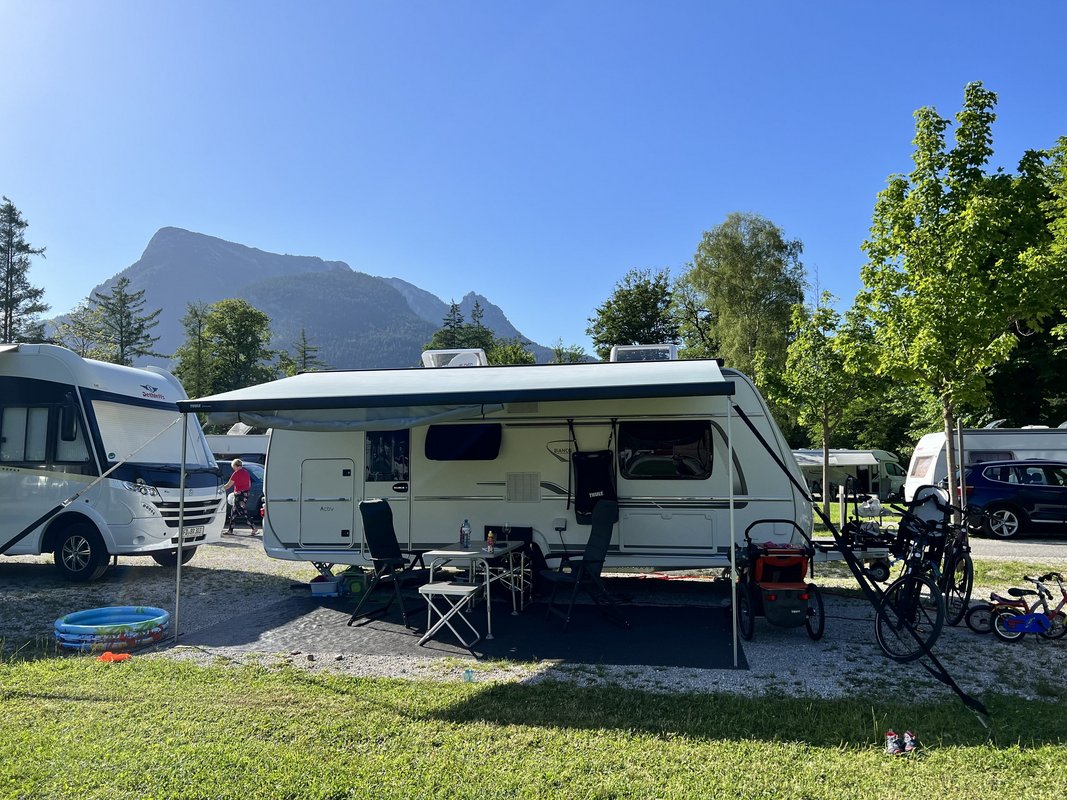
[127, 431]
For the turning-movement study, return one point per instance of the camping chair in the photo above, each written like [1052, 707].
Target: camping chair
[584, 572]
[390, 565]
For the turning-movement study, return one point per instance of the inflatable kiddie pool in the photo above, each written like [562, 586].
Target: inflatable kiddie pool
[112, 628]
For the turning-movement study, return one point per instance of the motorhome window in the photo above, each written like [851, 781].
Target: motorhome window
[147, 435]
[387, 455]
[982, 456]
[665, 450]
[72, 451]
[921, 465]
[463, 442]
[24, 434]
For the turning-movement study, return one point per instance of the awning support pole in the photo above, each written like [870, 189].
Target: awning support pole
[181, 524]
[733, 538]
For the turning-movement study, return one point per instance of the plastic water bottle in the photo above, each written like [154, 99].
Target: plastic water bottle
[465, 534]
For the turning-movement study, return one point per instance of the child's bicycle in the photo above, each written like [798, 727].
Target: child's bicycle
[1011, 618]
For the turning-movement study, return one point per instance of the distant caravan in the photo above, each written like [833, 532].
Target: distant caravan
[64, 422]
[529, 447]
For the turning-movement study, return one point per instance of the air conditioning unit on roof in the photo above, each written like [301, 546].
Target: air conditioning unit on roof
[470, 357]
[644, 352]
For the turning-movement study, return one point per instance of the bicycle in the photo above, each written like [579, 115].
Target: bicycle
[1010, 623]
[912, 612]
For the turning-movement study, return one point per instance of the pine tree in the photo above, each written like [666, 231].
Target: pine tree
[123, 328]
[20, 303]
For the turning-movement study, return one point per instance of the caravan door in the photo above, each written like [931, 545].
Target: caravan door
[328, 505]
[388, 477]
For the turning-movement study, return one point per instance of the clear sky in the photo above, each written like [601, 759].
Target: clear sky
[531, 151]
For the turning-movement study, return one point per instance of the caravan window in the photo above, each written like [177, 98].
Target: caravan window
[921, 465]
[479, 442]
[665, 450]
[982, 456]
[387, 455]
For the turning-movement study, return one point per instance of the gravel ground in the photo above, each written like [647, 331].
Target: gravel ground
[236, 577]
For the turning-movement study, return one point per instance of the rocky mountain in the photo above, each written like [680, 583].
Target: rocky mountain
[358, 320]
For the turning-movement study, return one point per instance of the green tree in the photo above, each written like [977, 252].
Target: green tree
[21, 303]
[567, 353]
[305, 357]
[736, 299]
[817, 384]
[638, 312]
[238, 334]
[510, 351]
[122, 327]
[456, 334]
[193, 359]
[957, 256]
[78, 332]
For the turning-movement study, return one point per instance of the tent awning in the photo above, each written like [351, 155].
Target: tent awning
[399, 398]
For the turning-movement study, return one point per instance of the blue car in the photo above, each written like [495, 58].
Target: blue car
[1006, 498]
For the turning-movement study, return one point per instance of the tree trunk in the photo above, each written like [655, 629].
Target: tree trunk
[950, 452]
[825, 473]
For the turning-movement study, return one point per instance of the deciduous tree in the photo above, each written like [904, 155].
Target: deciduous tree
[638, 312]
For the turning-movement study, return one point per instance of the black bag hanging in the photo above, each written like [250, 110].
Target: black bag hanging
[594, 479]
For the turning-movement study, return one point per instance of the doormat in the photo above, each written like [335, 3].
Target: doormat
[658, 636]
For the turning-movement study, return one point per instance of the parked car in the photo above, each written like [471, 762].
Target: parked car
[1005, 498]
[255, 495]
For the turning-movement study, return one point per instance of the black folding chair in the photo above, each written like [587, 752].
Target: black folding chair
[584, 572]
[390, 564]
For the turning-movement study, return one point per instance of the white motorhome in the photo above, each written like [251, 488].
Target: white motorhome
[494, 445]
[929, 463]
[64, 422]
[873, 472]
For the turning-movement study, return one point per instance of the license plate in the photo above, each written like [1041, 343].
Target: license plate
[196, 530]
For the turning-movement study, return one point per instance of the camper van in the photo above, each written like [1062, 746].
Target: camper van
[499, 445]
[929, 463]
[64, 422]
[867, 472]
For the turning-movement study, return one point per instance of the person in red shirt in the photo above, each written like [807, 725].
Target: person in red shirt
[241, 481]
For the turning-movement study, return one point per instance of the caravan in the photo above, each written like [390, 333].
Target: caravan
[868, 472]
[496, 444]
[929, 464]
[112, 436]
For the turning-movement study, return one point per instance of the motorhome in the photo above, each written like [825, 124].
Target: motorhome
[497, 445]
[110, 437]
[866, 472]
[929, 462]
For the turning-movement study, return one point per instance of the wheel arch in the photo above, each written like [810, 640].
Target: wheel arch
[63, 522]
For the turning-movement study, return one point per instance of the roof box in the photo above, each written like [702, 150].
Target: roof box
[644, 352]
[471, 357]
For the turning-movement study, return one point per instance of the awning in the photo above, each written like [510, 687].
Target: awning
[402, 398]
[854, 458]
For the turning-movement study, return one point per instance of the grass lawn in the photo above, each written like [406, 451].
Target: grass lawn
[75, 727]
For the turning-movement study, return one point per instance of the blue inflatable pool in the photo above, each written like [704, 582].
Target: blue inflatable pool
[112, 628]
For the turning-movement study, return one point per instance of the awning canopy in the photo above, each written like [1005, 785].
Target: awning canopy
[402, 398]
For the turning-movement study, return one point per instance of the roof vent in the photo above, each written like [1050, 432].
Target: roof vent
[472, 357]
[644, 352]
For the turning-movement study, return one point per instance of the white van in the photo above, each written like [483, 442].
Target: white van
[494, 445]
[64, 421]
[929, 463]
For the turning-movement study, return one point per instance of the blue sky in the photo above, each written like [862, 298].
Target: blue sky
[531, 151]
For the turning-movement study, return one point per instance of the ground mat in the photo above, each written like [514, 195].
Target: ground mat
[661, 636]
[665, 636]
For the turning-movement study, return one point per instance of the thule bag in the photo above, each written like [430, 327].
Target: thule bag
[594, 480]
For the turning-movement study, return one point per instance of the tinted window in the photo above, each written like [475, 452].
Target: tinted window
[387, 455]
[665, 450]
[463, 442]
[982, 456]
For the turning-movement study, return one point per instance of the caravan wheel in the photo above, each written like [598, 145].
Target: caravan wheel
[80, 554]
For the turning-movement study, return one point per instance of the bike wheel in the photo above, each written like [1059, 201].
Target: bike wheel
[959, 580]
[1058, 627]
[979, 618]
[815, 620]
[1002, 627]
[910, 617]
[746, 616]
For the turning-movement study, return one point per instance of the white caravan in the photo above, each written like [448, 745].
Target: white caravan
[64, 421]
[929, 464]
[494, 444]
[873, 472]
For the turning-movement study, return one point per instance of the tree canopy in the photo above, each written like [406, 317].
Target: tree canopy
[120, 326]
[21, 303]
[225, 348]
[638, 312]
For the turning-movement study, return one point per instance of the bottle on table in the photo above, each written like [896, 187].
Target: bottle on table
[465, 534]
[490, 542]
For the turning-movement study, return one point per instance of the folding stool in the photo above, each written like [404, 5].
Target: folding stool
[458, 597]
